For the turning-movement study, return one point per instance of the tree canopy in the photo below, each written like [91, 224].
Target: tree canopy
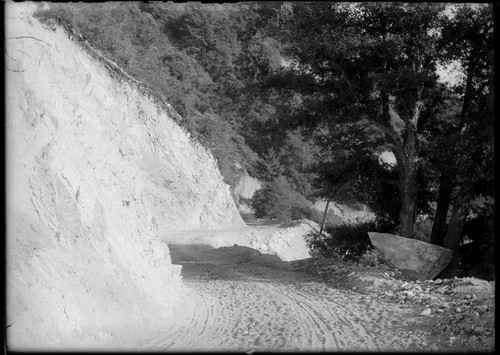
[374, 67]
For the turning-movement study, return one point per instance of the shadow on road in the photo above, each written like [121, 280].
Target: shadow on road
[200, 261]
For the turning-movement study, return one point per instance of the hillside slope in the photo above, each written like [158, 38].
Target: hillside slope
[94, 168]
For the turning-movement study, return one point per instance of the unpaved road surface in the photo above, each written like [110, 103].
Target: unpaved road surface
[247, 301]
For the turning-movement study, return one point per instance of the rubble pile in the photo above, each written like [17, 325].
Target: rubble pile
[459, 308]
[334, 271]
[466, 309]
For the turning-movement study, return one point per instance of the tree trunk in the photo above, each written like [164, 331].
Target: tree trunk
[407, 166]
[408, 190]
[454, 233]
[324, 218]
[407, 213]
[443, 204]
[408, 177]
[405, 149]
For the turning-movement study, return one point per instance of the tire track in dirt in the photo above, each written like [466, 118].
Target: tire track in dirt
[305, 320]
[331, 314]
[244, 302]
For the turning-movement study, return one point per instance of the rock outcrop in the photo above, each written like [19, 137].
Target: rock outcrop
[244, 190]
[418, 260]
[94, 168]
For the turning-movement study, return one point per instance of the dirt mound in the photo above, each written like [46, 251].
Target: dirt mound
[288, 243]
[227, 263]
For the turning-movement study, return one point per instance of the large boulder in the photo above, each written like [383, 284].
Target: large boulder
[418, 260]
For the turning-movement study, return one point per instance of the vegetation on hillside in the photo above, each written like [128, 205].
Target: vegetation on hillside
[184, 52]
[307, 95]
[373, 69]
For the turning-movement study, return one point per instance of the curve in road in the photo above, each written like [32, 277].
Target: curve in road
[247, 301]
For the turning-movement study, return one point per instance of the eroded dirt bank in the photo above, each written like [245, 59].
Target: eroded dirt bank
[94, 167]
[244, 300]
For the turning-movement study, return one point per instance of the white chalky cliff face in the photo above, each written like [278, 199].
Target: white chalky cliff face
[94, 168]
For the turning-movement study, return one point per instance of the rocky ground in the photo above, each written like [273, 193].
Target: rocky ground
[243, 300]
[458, 313]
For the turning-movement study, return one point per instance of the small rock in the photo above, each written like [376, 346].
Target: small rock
[405, 285]
[426, 312]
[479, 330]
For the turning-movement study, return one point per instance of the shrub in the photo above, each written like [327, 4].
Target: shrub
[248, 217]
[371, 257]
[476, 257]
[302, 211]
[277, 200]
[348, 242]
[50, 16]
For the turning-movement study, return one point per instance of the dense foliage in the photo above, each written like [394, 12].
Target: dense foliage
[278, 200]
[347, 242]
[373, 68]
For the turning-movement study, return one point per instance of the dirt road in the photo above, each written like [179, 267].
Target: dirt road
[247, 301]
